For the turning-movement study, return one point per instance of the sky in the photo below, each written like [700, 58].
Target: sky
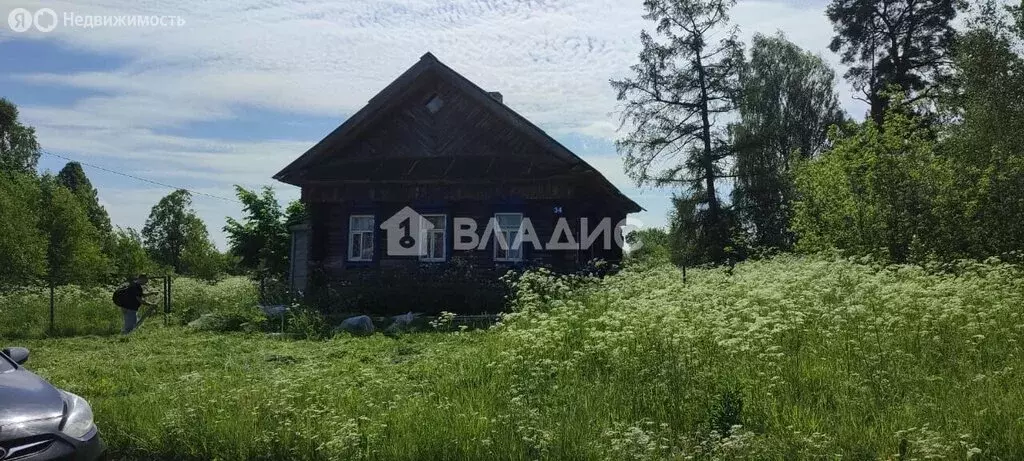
[224, 92]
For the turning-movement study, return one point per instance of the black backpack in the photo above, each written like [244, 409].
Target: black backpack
[121, 296]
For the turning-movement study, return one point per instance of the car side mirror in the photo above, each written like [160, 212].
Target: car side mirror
[18, 354]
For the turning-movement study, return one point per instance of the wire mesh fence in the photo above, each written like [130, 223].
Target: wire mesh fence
[38, 311]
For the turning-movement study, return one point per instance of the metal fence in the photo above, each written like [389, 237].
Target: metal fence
[70, 310]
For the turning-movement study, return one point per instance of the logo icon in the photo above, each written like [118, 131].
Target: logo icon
[21, 20]
[403, 229]
[42, 24]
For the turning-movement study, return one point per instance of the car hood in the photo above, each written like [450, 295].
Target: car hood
[26, 397]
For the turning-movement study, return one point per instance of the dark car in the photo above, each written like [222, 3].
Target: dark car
[39, 421]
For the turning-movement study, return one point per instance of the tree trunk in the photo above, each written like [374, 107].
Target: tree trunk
[708, 160]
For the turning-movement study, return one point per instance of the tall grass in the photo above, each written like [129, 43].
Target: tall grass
[793, 358]
[25, 313]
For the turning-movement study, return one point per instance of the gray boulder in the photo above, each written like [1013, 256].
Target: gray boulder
[360, 325]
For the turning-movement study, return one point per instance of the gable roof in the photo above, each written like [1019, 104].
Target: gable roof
[390, 96]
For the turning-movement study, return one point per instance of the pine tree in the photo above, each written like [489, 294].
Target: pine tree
[686, 80]
[905, 44]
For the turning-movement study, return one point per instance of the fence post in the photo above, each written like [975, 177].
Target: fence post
[167, 298]
[52, 326]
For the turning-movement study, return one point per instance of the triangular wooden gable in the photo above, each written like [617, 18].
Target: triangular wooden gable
[471, 137]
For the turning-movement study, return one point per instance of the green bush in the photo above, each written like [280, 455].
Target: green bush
[191, 298]
[306, 323]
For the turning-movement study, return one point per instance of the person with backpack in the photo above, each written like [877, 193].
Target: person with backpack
[130, 298]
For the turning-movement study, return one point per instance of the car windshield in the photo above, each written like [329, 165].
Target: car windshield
[5, 365]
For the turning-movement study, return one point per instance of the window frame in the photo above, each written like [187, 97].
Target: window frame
[425, 240]
[497, 245]
[352, 234]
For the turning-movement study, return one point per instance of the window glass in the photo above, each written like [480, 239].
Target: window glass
[438, 221]
[367, 246]
[360, 238]
[5, 365]
[362, 223]
[509, 220]
[508, 230]
[356, 246]
[433, 240]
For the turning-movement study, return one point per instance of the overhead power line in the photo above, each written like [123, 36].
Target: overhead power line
[150, 181]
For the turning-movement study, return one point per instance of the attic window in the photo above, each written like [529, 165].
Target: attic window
[434, 104]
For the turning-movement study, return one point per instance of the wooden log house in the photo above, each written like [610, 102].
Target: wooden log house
[434, 141]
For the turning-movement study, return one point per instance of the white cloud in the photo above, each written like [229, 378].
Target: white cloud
[551, 59]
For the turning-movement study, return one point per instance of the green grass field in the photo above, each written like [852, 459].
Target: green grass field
[793, 358]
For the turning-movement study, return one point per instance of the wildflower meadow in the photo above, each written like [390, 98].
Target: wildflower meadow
[810, 357]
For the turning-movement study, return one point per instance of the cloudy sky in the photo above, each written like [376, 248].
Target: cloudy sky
[241, 88]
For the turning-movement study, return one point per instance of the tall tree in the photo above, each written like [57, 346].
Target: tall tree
[22, 244]
[127, 253]
[73, 177]
[174, 234]
[685, 82]
[74, 251]
[19, 150]
[261, 239]
[905, 44]
[199, 257]
[787, 104]
[986, 139]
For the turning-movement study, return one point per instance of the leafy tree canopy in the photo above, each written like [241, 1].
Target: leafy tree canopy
[261, 239]
[787, 103]
[19, 150]
[22, 244]
[74, 251]
[176, 237]
[73, 177]
[906, 44]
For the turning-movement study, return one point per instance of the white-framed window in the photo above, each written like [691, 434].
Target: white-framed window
[433, 240]
[360, 237]
[508, 226]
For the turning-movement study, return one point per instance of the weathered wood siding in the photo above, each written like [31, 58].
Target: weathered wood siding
[299, 261]
[333, 233]
[462, 141]
[468, 159]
